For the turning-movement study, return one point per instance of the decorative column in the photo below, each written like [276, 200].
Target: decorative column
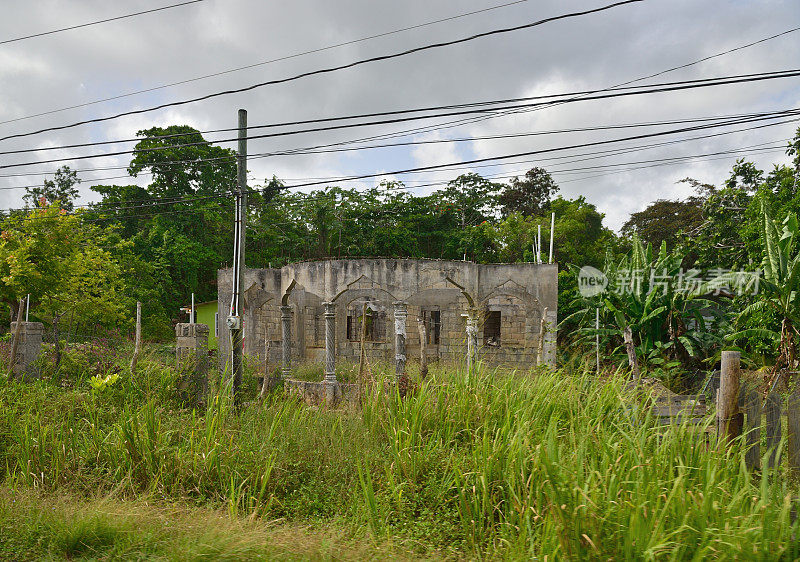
[330, 342]
[400, 315]
[472, 338]
[286, 341]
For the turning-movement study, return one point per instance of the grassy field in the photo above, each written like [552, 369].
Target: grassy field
[550, 465]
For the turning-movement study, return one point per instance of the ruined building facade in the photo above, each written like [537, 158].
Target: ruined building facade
[503, 314]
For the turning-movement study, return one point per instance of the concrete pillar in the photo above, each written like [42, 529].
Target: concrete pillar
[330, 342]
[286, 335]
[28, 349]
[400, 315]
[472, 338]
[333, 392]
[191, 357]
[550, 338]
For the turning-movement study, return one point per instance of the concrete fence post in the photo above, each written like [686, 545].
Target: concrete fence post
[191, 358]
[29, 346]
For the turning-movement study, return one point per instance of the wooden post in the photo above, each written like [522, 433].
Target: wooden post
[423, 348]
[137, 346]
[597, 337]
[15, 342]
[772, 415]
[752, 410]
[793, 430]
[632, 361]
[729, 418]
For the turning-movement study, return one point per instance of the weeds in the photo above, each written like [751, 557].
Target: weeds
[490, 464]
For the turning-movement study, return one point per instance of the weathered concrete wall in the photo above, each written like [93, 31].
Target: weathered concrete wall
[518, 292]
[28, 349]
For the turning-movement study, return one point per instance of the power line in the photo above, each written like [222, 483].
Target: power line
[262, 63]
[323, 147]
[334, 68]
[285, 133]
[97, 22]
[601, 154]
[477, 107]
[653, 88]
[480, 160]
[704, 59]
[297, 204]
[527, 153]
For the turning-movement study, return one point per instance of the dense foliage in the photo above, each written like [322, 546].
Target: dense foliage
[161, 242]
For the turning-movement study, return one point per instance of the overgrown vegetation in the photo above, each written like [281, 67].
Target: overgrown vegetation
[474, 464]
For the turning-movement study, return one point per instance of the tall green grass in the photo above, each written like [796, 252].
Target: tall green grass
[555, 464]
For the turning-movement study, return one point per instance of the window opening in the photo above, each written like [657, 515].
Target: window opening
[433, 325]
[491, 328]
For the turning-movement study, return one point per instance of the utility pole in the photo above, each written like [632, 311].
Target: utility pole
[237, 292]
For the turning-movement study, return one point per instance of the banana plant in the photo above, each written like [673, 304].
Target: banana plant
[647, 292]
[779, 289]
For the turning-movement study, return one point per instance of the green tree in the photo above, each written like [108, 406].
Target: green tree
[61, 263]
[530, 195]
[665, 220]
[61, 188]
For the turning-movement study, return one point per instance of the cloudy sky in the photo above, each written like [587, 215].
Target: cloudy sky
[77, 67]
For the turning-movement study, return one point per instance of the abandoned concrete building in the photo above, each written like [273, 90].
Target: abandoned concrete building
[503, 314]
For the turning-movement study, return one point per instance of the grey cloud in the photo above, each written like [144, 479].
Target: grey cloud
[598, 50]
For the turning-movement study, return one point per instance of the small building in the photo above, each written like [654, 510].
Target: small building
[505, 306]
[207, 313]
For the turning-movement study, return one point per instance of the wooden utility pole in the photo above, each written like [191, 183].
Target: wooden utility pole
[235, 319]
[137, 345]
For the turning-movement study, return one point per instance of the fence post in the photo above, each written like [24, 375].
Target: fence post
[793, 429]
[752, 410]
[729, 418]
[772, 415]
[632, 361]
[137, 345]
[15, 342]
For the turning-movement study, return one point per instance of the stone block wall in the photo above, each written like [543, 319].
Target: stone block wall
[454, 289]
